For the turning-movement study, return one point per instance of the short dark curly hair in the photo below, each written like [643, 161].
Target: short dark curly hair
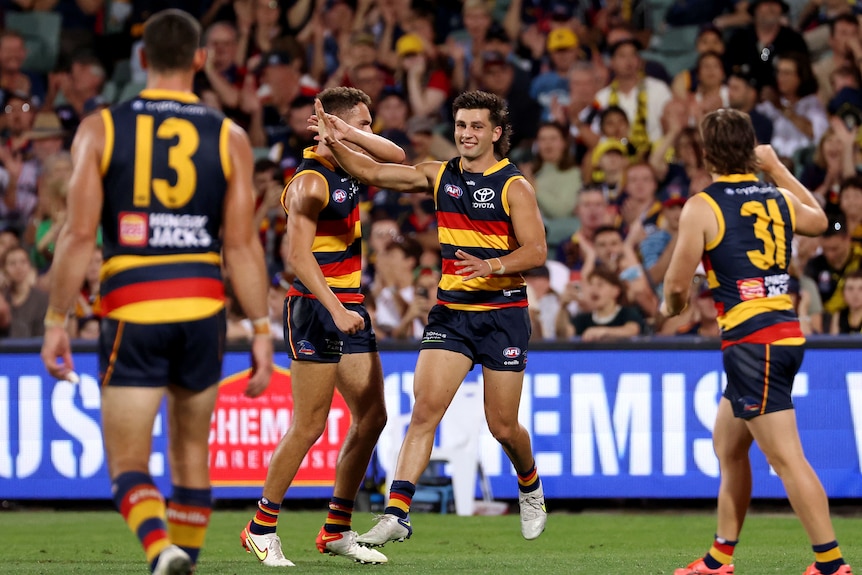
[499, 114]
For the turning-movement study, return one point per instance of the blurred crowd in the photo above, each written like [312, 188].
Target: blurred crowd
[605, 99]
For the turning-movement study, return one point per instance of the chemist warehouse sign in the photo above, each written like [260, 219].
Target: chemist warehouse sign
[604, 424]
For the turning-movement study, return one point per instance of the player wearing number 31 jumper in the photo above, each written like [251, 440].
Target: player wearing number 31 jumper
[742, 229]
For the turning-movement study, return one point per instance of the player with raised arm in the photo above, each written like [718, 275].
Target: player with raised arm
[170, 182]
[742, 229]
[328, 333]
[490, 229]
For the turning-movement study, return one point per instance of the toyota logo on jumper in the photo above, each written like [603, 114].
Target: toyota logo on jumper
[482, 198]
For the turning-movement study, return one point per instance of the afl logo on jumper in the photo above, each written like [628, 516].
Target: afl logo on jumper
[338, 196]
[482, 198]
[511, 352]
[454, 191]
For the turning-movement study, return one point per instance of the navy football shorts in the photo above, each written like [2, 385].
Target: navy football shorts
[760, 377]
[188, 354]
[496, 339]
[311, 334]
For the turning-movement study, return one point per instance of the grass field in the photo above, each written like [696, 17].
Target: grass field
[606, 543]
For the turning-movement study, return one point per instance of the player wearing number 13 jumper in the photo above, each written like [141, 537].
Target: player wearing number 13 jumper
[160, 174]
[742, 229]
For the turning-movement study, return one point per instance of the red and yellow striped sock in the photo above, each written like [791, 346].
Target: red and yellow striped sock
[188, 518]
[529, 481]
[721, 553]
[266, 519]
[400, 497]
[340, 515]
[143, 507]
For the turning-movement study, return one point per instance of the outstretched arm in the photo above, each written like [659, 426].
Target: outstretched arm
[367, 170]
[379, 147]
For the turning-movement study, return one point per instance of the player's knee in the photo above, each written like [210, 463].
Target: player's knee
[503, 431]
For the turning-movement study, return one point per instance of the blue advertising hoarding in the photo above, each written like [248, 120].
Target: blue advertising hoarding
[625, 423]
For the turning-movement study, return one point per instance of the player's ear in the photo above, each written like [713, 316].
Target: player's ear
[200, 59]
[498, 131]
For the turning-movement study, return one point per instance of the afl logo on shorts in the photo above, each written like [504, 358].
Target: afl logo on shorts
[454, 191]
[512, 352]
[338, 196]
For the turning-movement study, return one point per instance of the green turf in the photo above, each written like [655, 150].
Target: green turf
[623, 543]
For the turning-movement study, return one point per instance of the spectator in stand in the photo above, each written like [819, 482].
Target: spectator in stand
[556, 178]
[85, 80]
[21, 171]
[422, 75]
[280, 74]
[848, 321]
[641, 97]
[743, 94]
[415, 316]
[359, 54]
[468, 43]
[816, 16]
[656, 247]
[711, 91]
[709, 39]
[298, 137]
[583, 109]
[13, 78]
[639, 207]
[703, 320]
[50, 216]
[269, 217]
[850, 202]
[834, 162]
[843, 38]
[500, 76]
[393, 282]
[19, 112]
[544, 303]
[27, 303]
[758, 44]
[594, 213]
[609, 318]
[221, 71]
[551, 88]
[677, 159]
[609, 251]
[798, 117]
[259, 23]
[384, 229]
[392, 111]
[606, 171]
[840, 257]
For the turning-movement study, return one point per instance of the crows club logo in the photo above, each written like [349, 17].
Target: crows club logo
[339, 196]
[511, 352]
[454, 191]
[304, 347]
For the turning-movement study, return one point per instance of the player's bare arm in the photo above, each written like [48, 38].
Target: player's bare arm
[303, 200]
[529, 232]
[76, 241]
[419, 178]
[243, 255]
[378, 147]
[696, 224]
[811, 220]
